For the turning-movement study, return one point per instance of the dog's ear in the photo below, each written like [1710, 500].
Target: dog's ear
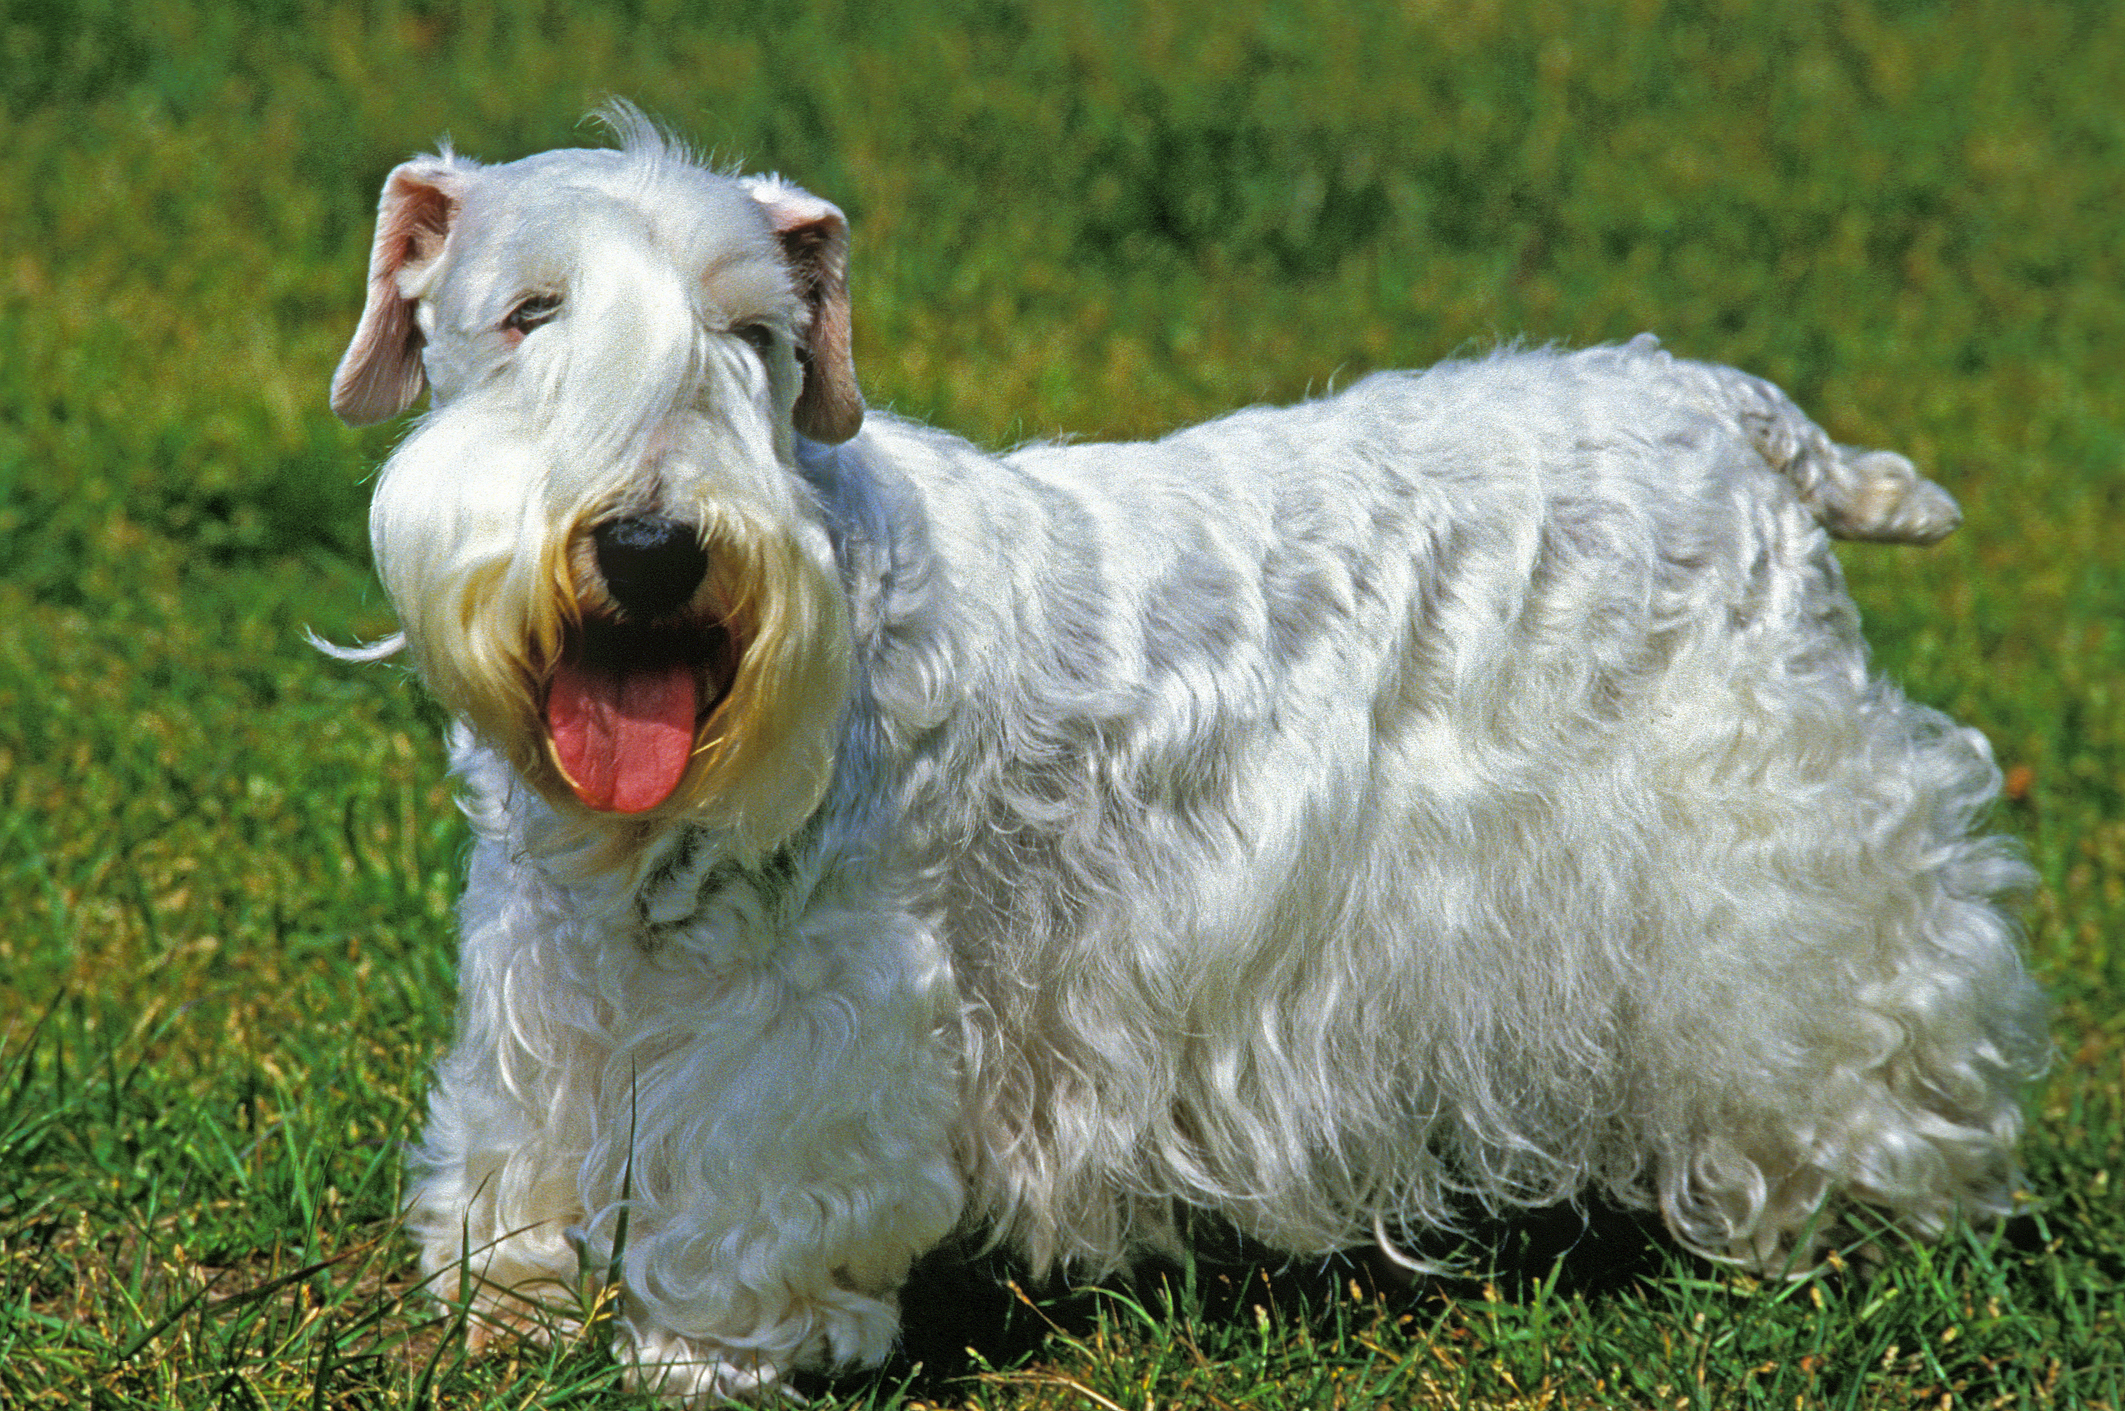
[815, 242]
[381, 375]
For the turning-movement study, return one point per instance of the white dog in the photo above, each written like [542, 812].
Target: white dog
[1459, 793]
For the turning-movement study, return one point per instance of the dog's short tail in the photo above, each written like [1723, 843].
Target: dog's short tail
[1855, 493]
[1863, 494]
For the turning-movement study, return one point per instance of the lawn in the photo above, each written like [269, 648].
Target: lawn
[227, 863]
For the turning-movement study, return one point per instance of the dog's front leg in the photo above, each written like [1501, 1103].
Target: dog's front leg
[745, 1124]
[780, 1139]
[494, 1194]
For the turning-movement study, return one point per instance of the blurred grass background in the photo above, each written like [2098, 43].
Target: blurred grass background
[227, 864]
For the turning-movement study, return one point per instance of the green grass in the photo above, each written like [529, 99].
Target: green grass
[227, 864]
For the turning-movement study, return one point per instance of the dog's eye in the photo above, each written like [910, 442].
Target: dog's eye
[532, 312]
[758, 336]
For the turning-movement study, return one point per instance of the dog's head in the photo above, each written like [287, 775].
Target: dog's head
[599, 547]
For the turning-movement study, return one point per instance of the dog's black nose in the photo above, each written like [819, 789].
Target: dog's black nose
[651, 564]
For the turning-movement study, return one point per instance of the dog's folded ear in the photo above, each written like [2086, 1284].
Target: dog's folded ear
[381, 374]
[815, 242]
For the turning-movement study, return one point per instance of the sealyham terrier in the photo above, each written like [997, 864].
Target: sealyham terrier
[1453, 795]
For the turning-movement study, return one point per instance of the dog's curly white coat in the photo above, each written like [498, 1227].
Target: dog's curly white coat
[1463, 791]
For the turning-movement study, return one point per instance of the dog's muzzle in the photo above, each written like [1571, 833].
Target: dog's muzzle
[633, 682]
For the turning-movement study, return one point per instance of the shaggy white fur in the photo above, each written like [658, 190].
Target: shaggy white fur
[1464, 791]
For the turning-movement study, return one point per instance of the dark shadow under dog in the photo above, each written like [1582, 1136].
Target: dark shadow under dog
[964, 1312]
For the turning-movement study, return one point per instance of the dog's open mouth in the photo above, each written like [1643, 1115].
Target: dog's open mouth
[624, 706]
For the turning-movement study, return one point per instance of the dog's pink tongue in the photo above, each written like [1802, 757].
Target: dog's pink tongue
[622, 737]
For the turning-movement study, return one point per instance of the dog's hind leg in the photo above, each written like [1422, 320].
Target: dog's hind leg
[1833, 1011]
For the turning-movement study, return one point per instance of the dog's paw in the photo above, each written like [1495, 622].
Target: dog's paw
[692, 1373]
[837, 1328]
